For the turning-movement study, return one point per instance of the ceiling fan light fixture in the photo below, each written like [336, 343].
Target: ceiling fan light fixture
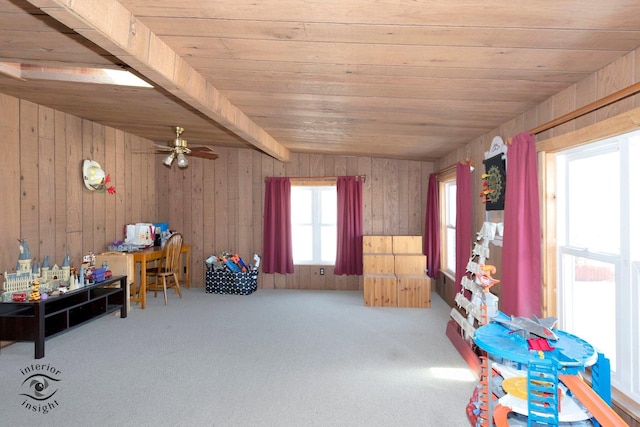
[169, 159]
[182, 161]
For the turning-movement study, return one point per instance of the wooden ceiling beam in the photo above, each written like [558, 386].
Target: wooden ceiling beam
[115, 29]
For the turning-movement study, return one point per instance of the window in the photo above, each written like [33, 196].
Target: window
[448, 225]
[598, 258]
[314, 230]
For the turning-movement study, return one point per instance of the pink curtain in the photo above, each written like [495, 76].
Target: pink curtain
[464, 217]
[522, 244]
[276, 238]
[431, 238]
[349, 251]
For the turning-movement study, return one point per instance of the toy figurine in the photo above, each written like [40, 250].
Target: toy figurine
[35, 293]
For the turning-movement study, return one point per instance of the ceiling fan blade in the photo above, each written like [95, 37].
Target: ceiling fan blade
[160, 147]
[204, 152]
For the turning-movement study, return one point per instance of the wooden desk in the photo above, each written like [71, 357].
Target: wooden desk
[150, 255]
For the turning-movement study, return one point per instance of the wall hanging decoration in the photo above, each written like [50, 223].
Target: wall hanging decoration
[94, 177]
[495, 177]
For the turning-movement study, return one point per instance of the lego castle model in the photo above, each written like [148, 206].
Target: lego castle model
[28, 271]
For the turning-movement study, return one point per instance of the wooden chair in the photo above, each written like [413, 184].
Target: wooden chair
[168, 268]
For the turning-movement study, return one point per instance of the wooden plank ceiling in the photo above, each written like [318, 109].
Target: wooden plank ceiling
[397, 79]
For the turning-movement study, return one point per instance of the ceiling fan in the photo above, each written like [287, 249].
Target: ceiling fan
[177, 148]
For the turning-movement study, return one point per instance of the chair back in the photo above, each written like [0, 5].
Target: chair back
[171, 256]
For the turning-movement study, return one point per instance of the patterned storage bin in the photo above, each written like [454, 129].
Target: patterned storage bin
[226, 282]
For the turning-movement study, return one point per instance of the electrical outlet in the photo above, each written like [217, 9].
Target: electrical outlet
[322, 271]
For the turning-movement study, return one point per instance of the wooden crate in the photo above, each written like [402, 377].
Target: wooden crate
[380, 290]
[414, 291]
[377, 244]
[407, 244]
[410, 264]
[377, 264]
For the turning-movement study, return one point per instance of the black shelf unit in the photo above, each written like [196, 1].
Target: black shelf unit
[38, 320]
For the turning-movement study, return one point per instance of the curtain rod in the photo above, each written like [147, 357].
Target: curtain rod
[319, 178]
[602, 102]
[453, 166]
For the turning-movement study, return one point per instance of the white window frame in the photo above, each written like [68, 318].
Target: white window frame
[447, 225]
[626, 378]
[319, 236]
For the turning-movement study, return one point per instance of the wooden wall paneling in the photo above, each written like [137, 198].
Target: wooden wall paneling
[234, 200]
[86, 132]
[119, 181]
[303, 278]
[331, 165]
[143, 185]
[209, 220]
[390, 207]
[75, 188]
[99, 199]
[110, 199]
[221, 206]
[257, 186]
[175, 198]
[161, 175]
[313, 277]
[280, 281]
[402, 197]
[139, 183]
[279, 168]
[133, 182]
[415, 195]
[187, 206]
[197, 221]
[586, 90]
[29, 203]
[245, 218]
[529, 120]
[545, 114]
[377, 196]
[150, 196]
[612, 78]
[316, 164]
[352, 165]
[426, 169]
[636, 76]
[291, 168]
[10, 188]
[46, 183]
[563, 103]
[477, 150]
[128, 179]
[364, 168]
[60, 190]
